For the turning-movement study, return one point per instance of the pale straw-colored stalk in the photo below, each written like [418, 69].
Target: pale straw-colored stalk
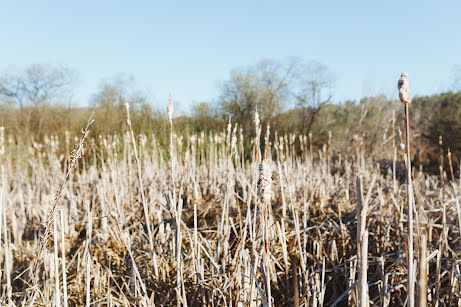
[138, 168]
[264, 194]
[362, 245]
[7, 263]
[404, 89]
[75, 156]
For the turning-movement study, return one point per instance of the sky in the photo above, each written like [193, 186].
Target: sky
[189, 48]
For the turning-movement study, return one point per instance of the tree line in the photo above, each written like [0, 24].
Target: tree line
[291, 95]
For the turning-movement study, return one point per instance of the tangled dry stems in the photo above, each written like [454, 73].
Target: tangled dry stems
[313, 245]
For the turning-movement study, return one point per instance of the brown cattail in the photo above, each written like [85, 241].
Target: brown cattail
[404, 88]
[265, 183]
[264, 194]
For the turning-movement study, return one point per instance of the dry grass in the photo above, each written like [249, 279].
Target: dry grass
[205, 223]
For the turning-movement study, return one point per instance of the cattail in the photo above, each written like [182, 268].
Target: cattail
[264, 194]
[265, 183]
[404, 88]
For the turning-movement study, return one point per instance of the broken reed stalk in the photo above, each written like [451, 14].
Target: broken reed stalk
[170, 111]
[4, 230]
[179, 283]
[63, 263]
[441, 159]
[257, 146]
[75, 155]
[295, 280]
[264, 193]
[57, 292]
[394, 154]
[422, 276]
[138, 165]
[403, 87]
[177, 208]
[362, 245]
[450, 163]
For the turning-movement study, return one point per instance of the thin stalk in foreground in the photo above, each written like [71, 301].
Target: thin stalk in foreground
[138, 164]
[75, 155]
[406, 100]
[264, 193]
[362, 246]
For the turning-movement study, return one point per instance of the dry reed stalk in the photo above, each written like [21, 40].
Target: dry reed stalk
[394, 155]
[138, 168]
[76, 155]
[57, 293]
[88, 280]
[257, 147]
[441, 159]
[451, 166]
[63, 253]
[295, 280]
[362, 245]
[170, 111]
[403, 87]
[264, 193]
[311, 234]
[177, 208]
[4, 230]
[458, 209]
[422, 278]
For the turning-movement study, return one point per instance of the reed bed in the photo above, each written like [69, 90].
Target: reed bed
[198, 233]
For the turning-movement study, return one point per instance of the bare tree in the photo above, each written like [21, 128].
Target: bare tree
[37, 85]
[272, 85]
[313, 89]
[240, 97]
[111, 98]
[33, 91]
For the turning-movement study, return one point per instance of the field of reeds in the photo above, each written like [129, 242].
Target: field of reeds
[122, 220]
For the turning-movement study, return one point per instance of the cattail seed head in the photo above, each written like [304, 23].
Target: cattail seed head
[404, 88]
[170, 110]
[265, 182]
[127, 107]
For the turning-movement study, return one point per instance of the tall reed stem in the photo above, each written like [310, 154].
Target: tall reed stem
[264, 193]
[362, 246]
[138, 167]
[406, 100]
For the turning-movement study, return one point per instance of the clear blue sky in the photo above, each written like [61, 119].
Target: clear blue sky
[188, 47]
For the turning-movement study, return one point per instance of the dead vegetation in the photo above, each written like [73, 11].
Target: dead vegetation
[141, 226]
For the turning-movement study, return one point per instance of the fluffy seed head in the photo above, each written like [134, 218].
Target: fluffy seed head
[265, 182]
[404, 88]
